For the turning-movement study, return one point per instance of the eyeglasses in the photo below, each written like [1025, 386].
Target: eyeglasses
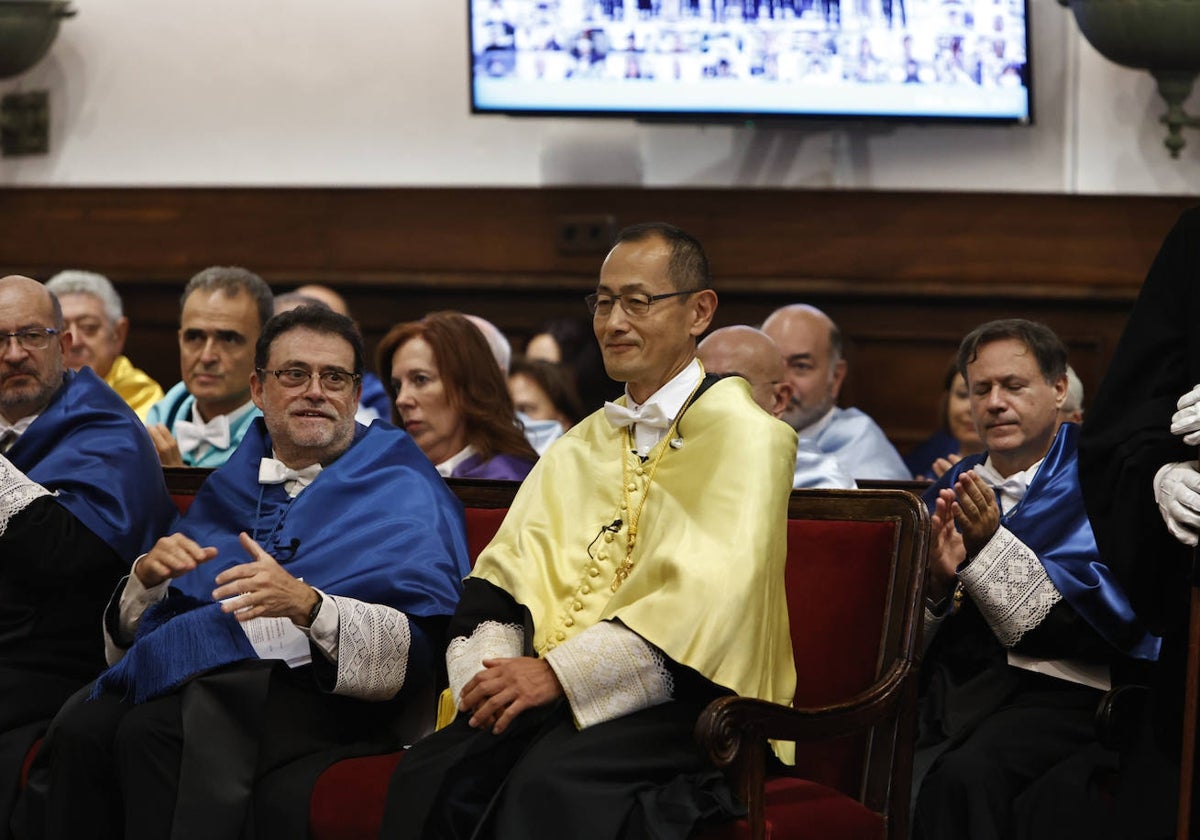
[31, 339]
[635, 304]
[332, 381]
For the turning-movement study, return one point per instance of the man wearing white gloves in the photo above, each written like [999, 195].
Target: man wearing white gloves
[1177, 485]
[1138, 468]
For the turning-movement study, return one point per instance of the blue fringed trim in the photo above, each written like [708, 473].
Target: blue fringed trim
[175, 648]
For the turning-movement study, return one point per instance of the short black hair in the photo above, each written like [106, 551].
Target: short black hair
[320, 319]
[687, 267]
[232, 279]
[1043, 342]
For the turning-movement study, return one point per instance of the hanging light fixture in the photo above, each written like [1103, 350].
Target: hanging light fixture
[27, 29]
[1160, 36]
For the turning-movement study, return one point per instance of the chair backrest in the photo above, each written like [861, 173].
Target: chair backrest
[183, 483]
[855, 579]
[485, 504]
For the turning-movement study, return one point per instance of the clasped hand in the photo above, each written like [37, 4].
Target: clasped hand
[1177, 491]
[972, 506]
[1186, 420]
[507, 687]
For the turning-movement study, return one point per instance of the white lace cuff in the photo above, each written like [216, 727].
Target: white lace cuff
[608, 671]
[17, 490]
[1009, 584]
[490, 640]
[372, 648]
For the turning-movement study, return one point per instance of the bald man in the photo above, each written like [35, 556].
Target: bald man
[81, 495]
[751, 354]
[812, 351]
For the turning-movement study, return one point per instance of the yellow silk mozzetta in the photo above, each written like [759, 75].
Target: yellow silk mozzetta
[133, 385]
[705, 582]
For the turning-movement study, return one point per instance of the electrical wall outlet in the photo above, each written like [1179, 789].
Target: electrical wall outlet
[25, 123]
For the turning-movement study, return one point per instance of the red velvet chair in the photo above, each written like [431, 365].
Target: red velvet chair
[855, 584]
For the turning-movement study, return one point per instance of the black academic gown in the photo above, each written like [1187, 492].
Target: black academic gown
[1125, 439]
[540, 777]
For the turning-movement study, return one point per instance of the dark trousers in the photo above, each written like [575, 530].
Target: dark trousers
[638, 776]
[109, 768]
[974, 788]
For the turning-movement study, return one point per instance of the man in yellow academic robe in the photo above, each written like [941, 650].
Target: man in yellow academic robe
[637, 576]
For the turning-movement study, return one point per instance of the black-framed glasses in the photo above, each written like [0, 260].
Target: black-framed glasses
[635, 304]
[37, 338]
[333, 381]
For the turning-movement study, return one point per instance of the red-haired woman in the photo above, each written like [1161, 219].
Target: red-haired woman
[449, 395]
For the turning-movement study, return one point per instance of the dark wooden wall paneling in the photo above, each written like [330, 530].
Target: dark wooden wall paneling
[904, 274]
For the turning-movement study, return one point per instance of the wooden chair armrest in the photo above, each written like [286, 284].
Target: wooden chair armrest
[728, 723]
[733, 731]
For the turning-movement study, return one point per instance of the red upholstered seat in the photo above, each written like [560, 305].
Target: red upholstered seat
[347, 800]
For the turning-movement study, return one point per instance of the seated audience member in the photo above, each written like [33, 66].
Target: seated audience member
[80, 492]
[448, 394]
[342, 540]
[201, 421]
[374, 402]
[1072, 408]
[751, 354]
[544, 397]
[570, 343]
[540, 433]
[1026, 621]
[93, 315]
[577, 673]
[956, 438]
[812, 348]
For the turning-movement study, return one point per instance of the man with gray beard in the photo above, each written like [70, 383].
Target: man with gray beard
[81, 489]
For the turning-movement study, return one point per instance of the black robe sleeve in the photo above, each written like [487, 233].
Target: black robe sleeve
[54, 583]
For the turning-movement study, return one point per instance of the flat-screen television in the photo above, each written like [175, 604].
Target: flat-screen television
[752, 59]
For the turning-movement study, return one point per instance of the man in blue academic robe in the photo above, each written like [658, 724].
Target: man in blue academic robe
[81, 490]
[1025, 621]
[349, 546]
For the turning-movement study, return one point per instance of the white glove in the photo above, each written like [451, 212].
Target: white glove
[1186, 420]
[1177, 491]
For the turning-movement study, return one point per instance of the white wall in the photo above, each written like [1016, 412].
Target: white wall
[374, 93]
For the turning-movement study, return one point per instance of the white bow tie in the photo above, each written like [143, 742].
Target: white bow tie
[651, 415]
[1011, 490]
[272, 471]
[215, 432]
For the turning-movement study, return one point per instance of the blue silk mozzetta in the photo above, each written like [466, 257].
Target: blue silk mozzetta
[92, 451]
[1052, 522]
[378, 524]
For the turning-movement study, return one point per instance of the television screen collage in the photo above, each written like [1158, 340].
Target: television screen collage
[748, 59]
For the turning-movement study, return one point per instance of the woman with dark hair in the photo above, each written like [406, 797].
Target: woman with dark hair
[957, 436]
[571, 343]
[449, 395]
[543, 390]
